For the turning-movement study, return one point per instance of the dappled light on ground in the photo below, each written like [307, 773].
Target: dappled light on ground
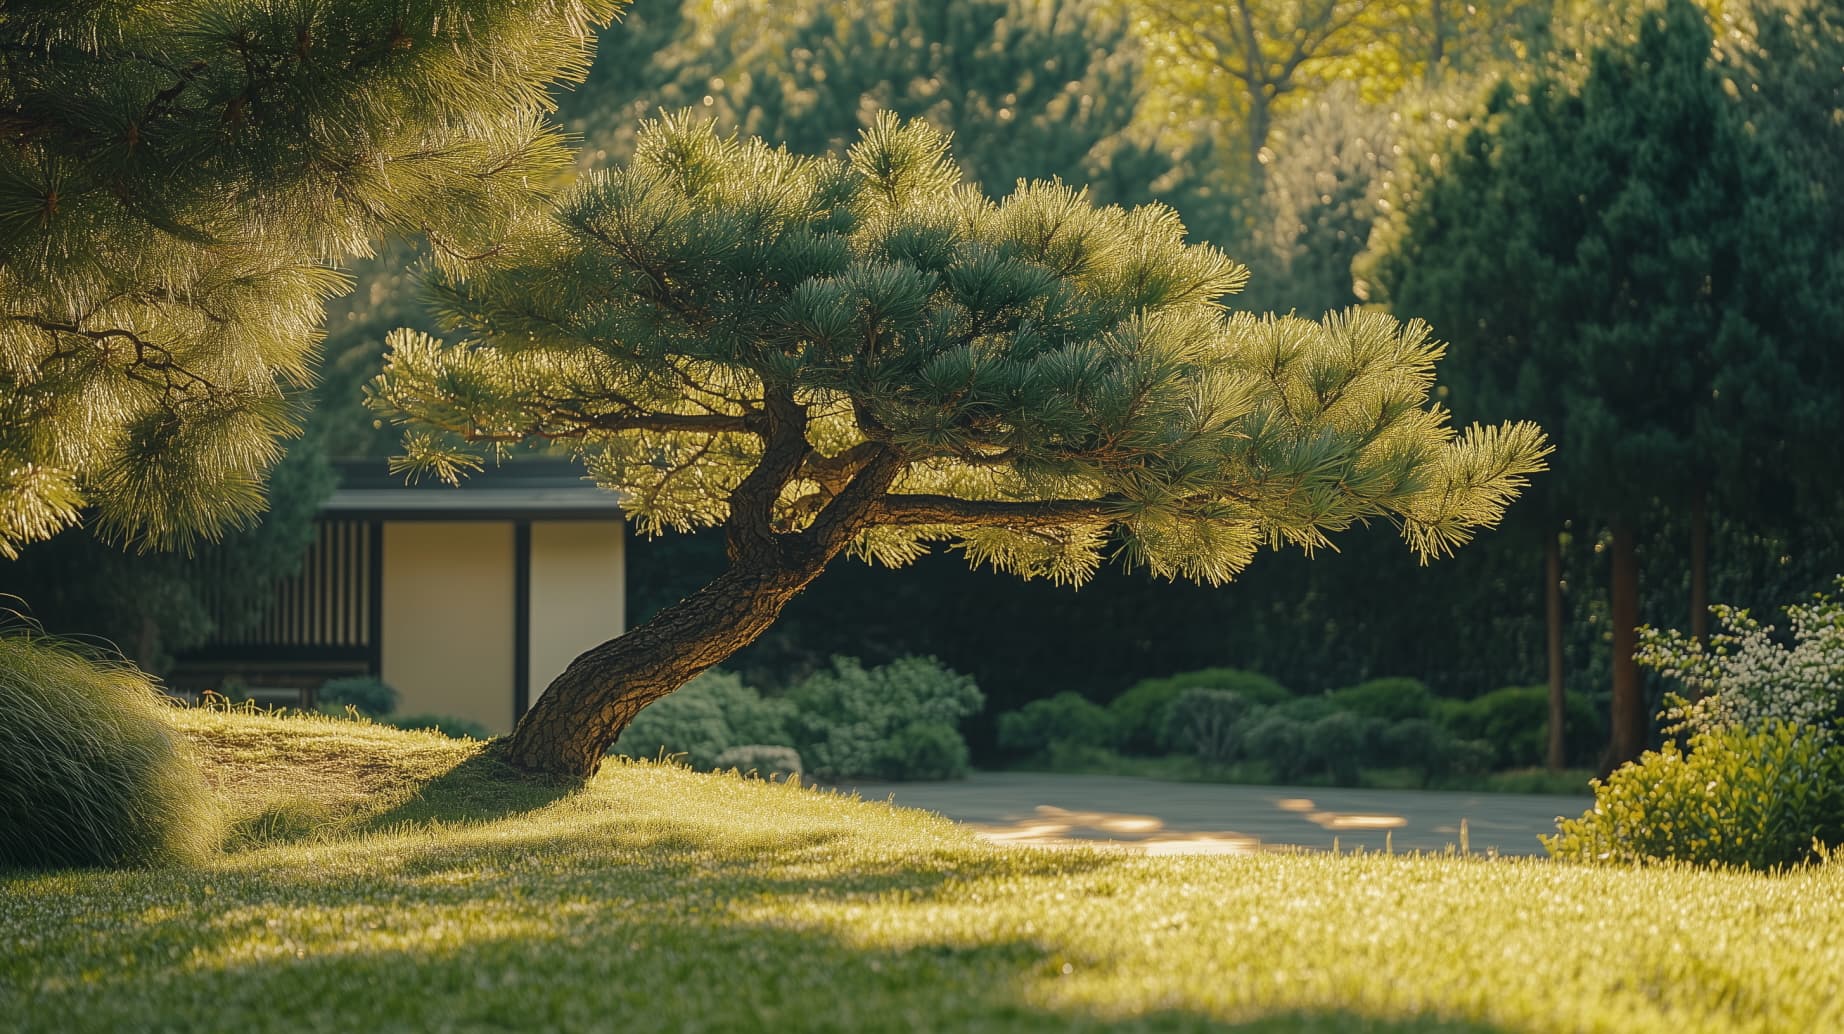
[1336, 820]
[1151, 816]
[1059, 827]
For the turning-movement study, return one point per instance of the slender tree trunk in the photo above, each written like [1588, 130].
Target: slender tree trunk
[1261, 122]
[1629, 723]
[1700, 567]
[578, 717]
[147, 645]
[1552, 614]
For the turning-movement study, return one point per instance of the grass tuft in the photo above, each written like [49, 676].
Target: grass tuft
[92, 773]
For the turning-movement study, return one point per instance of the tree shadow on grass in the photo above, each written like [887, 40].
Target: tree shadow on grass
[627, 966]
[482, 788]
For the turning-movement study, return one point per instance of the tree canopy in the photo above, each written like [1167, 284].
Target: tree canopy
[178, 183]
[728, 333]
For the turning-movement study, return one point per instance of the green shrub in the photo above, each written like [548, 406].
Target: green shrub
[1390, 700]
[1416, 743]
[459, 728]
[926, 750]
[1755, 799]
[1340, 744]
[1069, 719]
[1141, 712]
[1208, 723]
[91, 771]
[764, 759]
[707, 716]
[1515, 720]
[1308, 709]
[847, 720]
[362, 693]
[1279, 741]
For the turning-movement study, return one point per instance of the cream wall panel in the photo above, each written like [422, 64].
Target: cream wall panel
[448, 618]
[578, 592]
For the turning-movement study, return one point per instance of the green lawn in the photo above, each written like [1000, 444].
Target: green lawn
[430, 896]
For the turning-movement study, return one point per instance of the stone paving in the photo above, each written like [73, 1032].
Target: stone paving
[1209, 818]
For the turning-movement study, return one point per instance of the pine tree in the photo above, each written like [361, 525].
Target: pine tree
[1619, 259]
[1030, 89]
[863, 355]
[177, 184]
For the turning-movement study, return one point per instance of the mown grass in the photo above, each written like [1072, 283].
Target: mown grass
[419, 891]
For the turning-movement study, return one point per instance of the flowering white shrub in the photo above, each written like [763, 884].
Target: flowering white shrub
[1748, 677]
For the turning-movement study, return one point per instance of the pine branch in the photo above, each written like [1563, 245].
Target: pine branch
[924, 509]
[167, 372]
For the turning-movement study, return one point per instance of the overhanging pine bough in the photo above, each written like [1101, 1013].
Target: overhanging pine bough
[176, 183]
[825, 355]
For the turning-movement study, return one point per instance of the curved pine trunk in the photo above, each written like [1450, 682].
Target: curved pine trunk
[580, 714]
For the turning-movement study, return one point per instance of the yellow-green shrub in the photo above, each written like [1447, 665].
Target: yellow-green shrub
[1752, 798]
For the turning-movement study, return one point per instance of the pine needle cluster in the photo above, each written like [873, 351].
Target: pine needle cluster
[866, 351]
[178, 183]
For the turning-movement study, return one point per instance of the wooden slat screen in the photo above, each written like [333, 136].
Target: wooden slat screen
[327, 603]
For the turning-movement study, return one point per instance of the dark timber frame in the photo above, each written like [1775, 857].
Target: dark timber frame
[328, 619]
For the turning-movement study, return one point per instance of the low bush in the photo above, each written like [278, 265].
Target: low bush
[1389, 700]
[1279, 741]
[1308, 709]
[1415, 743]
[449, 725]
[1515, 721]
[1141, 712]
[363, 693]
[1068, 719]
[926, 750]
[1208, 724]
[1430, 749]
[707, 716]
[91, 772]
[898, 721]
[763, 759]
[1754, 799]
[1339, 745]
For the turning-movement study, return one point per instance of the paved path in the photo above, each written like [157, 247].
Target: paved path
[1183, 818]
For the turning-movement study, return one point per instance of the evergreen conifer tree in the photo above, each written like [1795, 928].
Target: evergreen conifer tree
[177, 184]
[1621, 259]
[863, 355]
[1030, 89]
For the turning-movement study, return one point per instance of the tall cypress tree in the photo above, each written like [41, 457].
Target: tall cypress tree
[176, 184]
[1610, 245]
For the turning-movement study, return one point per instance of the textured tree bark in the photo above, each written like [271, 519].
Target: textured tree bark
[1629, 721]
[578, 717]
[582, 711]
[1552, 606]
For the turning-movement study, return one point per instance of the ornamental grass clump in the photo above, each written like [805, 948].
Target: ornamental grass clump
[91, 771]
